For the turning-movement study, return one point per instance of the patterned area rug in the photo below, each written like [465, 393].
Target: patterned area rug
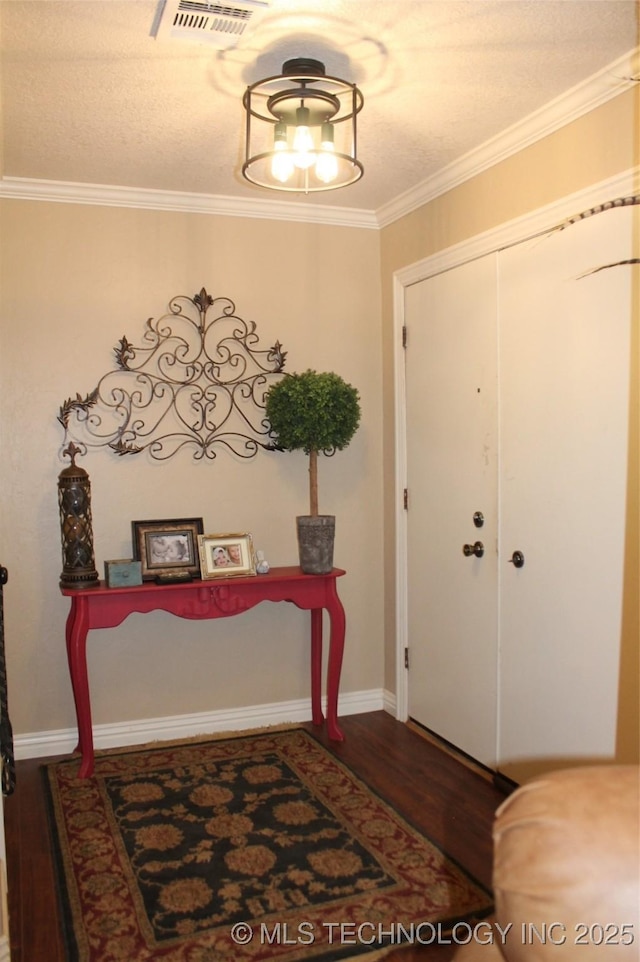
[260, 846]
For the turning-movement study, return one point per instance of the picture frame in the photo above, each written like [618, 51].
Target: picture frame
[167, 548]
[226, 556]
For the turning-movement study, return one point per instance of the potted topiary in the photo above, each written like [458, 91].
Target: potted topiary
[316, 413]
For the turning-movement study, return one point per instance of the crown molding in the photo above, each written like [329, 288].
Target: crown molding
[603, 86]
[608, 83]
[104, 195]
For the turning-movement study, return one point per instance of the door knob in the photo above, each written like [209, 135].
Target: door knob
[476, 549]
[517, 559]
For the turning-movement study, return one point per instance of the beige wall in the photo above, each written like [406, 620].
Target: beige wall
[591, 149]
[74, 279]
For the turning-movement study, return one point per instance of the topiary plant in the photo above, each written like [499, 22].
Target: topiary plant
[313, 412]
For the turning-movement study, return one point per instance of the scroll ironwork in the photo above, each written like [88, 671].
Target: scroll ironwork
[198, 381]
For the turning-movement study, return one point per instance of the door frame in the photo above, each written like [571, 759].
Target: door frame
[534, 224]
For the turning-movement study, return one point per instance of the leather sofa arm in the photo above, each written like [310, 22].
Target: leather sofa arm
[566, 872]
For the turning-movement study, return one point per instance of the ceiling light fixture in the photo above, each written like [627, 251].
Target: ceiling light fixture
[302, 138]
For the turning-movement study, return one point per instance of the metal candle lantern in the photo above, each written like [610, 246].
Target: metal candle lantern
[74, 500]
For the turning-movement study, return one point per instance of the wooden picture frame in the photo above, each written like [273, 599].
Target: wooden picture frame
[167, 548]
[226, 555]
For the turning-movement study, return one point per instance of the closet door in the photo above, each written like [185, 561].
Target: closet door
[451, 410]
[564, 366]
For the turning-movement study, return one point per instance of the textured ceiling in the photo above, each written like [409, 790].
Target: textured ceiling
[88, 95]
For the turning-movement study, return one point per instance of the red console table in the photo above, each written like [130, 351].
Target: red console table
[103, 607]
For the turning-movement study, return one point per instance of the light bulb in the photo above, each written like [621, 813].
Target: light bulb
[303, 146]
[327, 163]
[282, 162]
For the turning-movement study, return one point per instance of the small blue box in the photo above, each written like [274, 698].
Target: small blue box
[123, 573]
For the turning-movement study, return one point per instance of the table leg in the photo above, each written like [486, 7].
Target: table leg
[316, 666]
[76, 633]
[71, 617]
[336, 650]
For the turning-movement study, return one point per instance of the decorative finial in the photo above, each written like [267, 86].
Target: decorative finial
[71, 450]
[203, 301]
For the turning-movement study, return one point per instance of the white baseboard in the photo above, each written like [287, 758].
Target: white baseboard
[389, 702]
[63, 741]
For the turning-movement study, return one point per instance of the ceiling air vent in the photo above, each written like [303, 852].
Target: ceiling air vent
[220, 25]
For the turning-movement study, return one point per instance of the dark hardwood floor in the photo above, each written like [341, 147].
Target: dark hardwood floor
[449, 801]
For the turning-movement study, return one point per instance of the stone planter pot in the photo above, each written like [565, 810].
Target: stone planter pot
[315, 543]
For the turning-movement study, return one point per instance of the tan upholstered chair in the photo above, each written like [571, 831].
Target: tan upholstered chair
[566, 870]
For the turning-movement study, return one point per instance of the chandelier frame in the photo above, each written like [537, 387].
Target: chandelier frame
[325, 99]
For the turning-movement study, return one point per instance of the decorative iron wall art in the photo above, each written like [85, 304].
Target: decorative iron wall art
[198, 381]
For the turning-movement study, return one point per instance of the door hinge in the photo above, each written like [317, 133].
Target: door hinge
[404, 336]
[406, 658]
[405, 499]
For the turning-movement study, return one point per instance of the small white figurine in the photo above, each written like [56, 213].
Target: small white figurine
[262, 565]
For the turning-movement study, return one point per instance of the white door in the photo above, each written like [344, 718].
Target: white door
[564, 382]
[451, 380]
[518, 666]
